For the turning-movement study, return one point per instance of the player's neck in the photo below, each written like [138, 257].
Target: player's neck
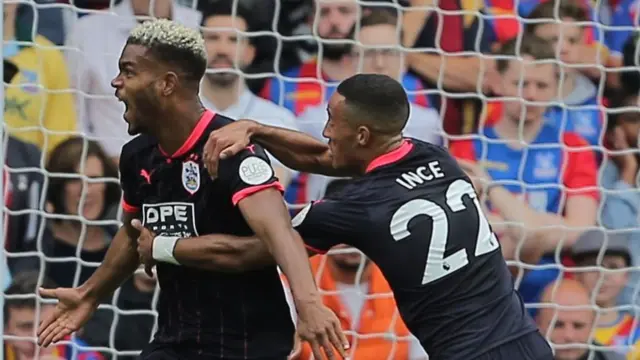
[510, 130]
[222, 97]
[383, 147]
[180, 124]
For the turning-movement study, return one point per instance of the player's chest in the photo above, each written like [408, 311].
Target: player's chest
[171, 180]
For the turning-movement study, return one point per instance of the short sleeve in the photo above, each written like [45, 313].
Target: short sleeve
[463, 149]
[129, 182]
[247, 173]
[326, 223]
[581, 174]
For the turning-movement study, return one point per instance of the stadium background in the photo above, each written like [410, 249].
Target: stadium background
[63, 129]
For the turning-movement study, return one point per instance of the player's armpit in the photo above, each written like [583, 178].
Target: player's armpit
[119, 263]
[221, 252]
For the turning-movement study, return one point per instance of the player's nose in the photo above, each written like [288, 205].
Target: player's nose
[116, 82]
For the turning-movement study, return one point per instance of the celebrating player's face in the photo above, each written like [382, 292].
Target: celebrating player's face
[536, 83]
[134, 88]
[342, 137]
[226, 48]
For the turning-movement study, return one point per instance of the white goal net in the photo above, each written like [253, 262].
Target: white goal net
[546, 126]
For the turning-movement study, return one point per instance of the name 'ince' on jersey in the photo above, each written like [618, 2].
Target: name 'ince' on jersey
[411, 179]
[238, 316]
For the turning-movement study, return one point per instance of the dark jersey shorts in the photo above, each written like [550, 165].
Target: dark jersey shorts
[416, 215]
[215, 315]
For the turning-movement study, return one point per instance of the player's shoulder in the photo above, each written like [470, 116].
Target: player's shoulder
[139, 146]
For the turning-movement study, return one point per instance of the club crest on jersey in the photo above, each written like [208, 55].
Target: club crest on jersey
[190, 176]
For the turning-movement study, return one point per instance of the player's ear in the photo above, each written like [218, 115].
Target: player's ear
[169, 83]
[363, 135]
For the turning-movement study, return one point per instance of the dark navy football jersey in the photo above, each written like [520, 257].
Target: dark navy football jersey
[416, 215]
[219, 315]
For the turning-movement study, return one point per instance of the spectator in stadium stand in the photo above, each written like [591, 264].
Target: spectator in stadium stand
[355, 289]
[226, 92]
[379, 53]
[95, 42]
[35, 97]
[606, 280]
[523, 165]
[453, 33]
[315, 80]
[581, 111]
[568, 320]
[20, 321]
[73, 198]
[618, 179]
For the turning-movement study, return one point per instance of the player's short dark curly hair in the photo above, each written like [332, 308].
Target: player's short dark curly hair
[24, 283]
[377, 101]
[65, 158]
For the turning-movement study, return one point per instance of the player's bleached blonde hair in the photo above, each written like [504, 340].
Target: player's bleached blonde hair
[174, 44]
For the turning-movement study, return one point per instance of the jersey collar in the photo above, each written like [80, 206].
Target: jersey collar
[195, 135]
[391, 157]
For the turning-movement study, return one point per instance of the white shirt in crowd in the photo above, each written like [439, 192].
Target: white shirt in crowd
[95, 43]
[423, 124]
[250, 106]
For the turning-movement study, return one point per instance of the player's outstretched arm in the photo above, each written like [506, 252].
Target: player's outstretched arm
[76, 305]
[267, 215]
[296, 150]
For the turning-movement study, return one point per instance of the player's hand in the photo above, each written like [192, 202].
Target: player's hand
[71, 313]
[226, 142]
[319, 326]
[145, 246]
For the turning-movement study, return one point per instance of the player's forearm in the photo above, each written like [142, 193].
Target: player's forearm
[290, 254]
[225, 253]
[296, 150]
[118, 265]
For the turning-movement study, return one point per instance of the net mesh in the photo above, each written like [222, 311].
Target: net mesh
[277, 15]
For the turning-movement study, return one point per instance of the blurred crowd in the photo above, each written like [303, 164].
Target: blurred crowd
[538, 99]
